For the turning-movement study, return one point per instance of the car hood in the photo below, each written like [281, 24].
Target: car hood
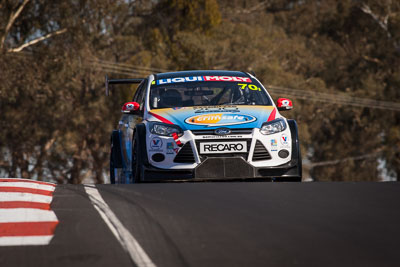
[212, 117]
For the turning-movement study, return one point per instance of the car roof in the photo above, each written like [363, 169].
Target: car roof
[200, 73]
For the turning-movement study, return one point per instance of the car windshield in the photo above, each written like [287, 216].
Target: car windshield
[184, 92]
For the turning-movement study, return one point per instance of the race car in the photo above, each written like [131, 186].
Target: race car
[203, 125]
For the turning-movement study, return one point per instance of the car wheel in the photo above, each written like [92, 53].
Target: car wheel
[137, 160]
[116, 166]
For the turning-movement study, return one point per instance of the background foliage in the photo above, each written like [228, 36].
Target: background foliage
[56, 121]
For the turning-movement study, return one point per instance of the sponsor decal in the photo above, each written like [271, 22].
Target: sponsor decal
[180, 80]
[129, 106]
[216, 119]
[203, 78]
[223, 147]
[227, 79]
[221, 136]
[222, 131]
[156, 144]
[284, 140]
[274, 145]
[170, 148]
[285, 103]
[170, 145]
[210, 109]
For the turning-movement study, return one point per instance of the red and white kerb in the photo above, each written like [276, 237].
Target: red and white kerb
[25, 214]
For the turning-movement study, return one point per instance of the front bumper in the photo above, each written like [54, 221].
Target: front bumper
[224, 168]
[252, 164]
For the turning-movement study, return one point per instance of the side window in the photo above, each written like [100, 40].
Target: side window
[142, 95]
[137, 93]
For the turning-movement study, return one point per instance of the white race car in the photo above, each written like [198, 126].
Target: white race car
[196, 125]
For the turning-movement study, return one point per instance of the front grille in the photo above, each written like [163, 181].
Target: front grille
[260, 152]
[234, 132]
[204, 156]
[185, 154]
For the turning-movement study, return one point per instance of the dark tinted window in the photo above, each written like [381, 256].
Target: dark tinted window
[188, 91]
[140, 94]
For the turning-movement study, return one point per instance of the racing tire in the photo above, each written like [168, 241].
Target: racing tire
[115, 157]
[136, 161]
[139, 154]
[296, 151]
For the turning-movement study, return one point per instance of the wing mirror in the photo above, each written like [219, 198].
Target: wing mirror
[130, 107]
[284, 104]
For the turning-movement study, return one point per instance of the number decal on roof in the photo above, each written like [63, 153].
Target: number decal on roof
[250, 86]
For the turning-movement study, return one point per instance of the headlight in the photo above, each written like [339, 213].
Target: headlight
[164, 129]
[274, 126]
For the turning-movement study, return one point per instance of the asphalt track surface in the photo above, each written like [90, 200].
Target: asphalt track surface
[226, 224]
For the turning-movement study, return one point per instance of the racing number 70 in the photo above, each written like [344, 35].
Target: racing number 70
[250, 86]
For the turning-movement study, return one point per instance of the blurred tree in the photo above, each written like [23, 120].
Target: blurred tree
[352, 49]
[56, 119]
